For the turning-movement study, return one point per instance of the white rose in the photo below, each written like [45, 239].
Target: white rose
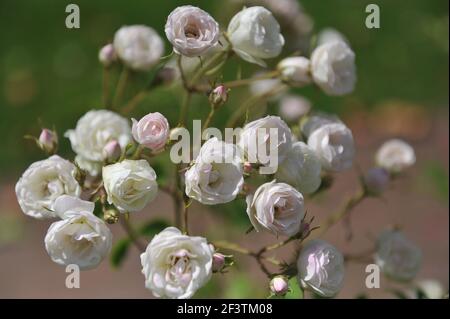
[277, 208]
[255, 35]
[397, 257]
[176, 265]
[301, 169]
[295, 71]
[330, 35]
[333, 68]
[93, 168]
[316, 121]
[43, 182]
[395, 155]
[93, 131]
[130, 184]
[333, 144]
[138, 46]
[217, 174]
[192, 31]
[293, 107]
[80, 238]
[255, 139]
[321, 268]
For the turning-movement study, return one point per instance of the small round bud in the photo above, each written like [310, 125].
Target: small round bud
[218, 262]
[48, 141]
[218, 96]
[376, 180]
[112, 151]
[111, 216]
[248, 167]
[107, 55]
[295, 71]
[279, 285]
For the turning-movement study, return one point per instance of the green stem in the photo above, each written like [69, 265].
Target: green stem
[209, 118]
[105, 84]
[121, 85]
[125, 221]
[184, 108]
[265, 76]
[135, 100]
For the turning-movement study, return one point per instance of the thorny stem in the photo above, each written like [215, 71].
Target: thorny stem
[125, 222]
[121, 85]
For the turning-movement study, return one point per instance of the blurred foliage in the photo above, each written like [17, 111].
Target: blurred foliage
[50, 75]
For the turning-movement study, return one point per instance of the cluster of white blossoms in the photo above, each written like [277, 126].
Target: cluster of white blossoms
[273, 164]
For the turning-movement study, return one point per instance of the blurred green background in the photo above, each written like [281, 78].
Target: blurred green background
[49, 75]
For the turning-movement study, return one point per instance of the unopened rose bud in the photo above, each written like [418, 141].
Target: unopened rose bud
[295, 71]
[218, 96]
[112, 151]
[107, 55]
[218, 262]
[248, 167]
[48, 141]
[279, 285]
[111, 216]
[376, 180]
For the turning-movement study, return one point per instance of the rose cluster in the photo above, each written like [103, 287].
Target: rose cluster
[111, 176]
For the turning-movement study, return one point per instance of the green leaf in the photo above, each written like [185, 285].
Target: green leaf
[98, 209]
[150, 229]
[119, 252]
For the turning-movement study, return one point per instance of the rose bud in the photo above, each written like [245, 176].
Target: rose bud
[218, 96]
[111, 215]
[48, 141]
[395, 156]
[107, 55]
[248, 167]
[295, 71]
[112, 151]
[376, 180]
[152, 131]
[218, 262]
[279, 286]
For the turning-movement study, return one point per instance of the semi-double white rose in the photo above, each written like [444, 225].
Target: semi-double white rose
[334, 145]
[255, 35]
[138, 46]
[192, 31]
[152, 131]
[175, 265]
[301, 169]
[130, 184]
[80, 237]
[217, 174]
[93, 131]
[43, 182]
[397, 257]
[295, 71]
[264, 139]
[321, 268]
[395, 156]
[333, 68]
[276, 207]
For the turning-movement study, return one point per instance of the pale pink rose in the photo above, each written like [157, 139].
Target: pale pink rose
[191, 31]
[152, 131]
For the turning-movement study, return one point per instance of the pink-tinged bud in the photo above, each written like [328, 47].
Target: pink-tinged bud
[376, 180]
[218, 96]
[112, 151]
[279, 285]
[48, 141]
[218, 262]
[107, 55]
[151, 131]
[248, 167]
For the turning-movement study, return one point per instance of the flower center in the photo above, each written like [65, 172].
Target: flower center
[191, 31]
